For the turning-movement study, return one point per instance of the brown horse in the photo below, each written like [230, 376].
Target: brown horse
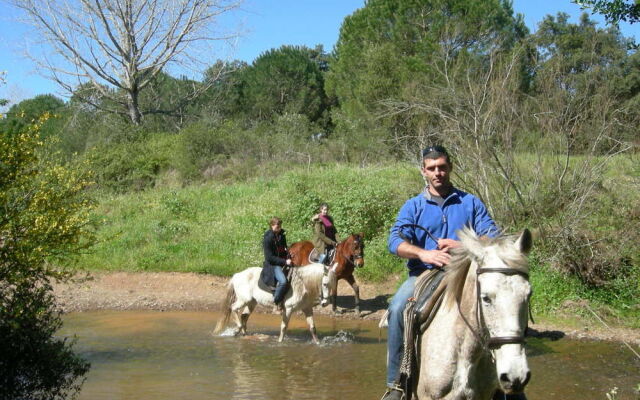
[348, 255]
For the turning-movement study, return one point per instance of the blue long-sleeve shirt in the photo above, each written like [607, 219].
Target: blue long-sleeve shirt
[458, 210]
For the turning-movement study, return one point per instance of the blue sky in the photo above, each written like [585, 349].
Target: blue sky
[265, 24]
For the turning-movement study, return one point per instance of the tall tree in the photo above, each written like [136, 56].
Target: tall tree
[120, 46]
[583, 70]
[30, 110]
[284, 80]
[614, 10]
[388, 48]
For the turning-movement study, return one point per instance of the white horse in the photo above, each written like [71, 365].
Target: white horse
[309, 284]
[474, 345]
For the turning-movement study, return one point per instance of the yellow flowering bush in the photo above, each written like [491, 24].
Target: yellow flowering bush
[44, 223]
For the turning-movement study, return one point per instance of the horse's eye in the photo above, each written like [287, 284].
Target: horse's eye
[486, 299]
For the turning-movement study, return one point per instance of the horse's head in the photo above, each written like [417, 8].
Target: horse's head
[354, 249]
[329, 283]
[502, 292]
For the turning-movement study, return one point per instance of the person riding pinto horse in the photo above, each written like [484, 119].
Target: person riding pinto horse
[274, 245]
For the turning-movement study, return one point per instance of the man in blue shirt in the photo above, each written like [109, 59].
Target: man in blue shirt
[441, 210]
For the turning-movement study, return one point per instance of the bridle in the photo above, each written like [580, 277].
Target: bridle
[495, 342]
[354, 257]
[489, 342]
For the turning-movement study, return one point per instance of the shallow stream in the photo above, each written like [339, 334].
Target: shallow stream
[152, 355]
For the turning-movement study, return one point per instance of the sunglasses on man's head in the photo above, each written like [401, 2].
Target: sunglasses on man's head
[436, 148]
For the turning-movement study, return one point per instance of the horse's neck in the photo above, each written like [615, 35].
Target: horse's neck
[461, 317]
[339, 257]
[468, 308]
[308, 277]
[450, 348]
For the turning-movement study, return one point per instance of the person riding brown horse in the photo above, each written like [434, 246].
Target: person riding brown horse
[324, 234]
[348, 255]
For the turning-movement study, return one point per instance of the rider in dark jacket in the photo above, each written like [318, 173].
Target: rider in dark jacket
[274, 244]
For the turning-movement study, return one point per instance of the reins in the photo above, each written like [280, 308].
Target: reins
[490, 342]
[431, 236]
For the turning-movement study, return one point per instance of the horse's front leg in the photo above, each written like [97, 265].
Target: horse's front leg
[286, 315]
[356, 291]
[308, 313]
[333, 296]
[244, 317]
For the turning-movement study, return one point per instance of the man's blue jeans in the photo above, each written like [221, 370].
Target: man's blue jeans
[281, 286]
[395, 331]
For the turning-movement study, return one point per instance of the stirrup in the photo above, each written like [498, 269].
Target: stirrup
[397, 388]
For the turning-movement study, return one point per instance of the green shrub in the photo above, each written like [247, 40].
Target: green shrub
[44, 225]
[136, 165]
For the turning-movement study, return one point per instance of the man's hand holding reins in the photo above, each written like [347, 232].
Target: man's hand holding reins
[448, 244]
[438, 258]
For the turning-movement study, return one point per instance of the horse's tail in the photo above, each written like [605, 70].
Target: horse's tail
[226, 308]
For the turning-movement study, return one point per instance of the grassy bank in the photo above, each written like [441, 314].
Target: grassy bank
[217, 228]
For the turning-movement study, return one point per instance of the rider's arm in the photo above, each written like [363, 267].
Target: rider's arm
[317, 228]
[401, 246]
[406, 215]
[483, 223]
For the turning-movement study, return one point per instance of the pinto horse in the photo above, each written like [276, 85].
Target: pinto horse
[245, 291]
[348, 255]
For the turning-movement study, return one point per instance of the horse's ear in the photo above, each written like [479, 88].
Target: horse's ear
[525, 241]
[471, 242]
[361, 235]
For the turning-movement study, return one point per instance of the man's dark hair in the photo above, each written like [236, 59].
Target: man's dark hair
[435, 152]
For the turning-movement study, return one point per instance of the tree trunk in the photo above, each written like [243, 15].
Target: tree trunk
[134, 109]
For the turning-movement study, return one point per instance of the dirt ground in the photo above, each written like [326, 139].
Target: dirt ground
[188, 291]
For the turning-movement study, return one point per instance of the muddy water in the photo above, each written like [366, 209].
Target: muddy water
[148, 355]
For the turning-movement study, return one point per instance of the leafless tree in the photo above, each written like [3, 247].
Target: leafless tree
[517, 151]
[118, 47]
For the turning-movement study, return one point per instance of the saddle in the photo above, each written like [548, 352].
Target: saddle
[269, 286]
[314, 256]
[418, 314]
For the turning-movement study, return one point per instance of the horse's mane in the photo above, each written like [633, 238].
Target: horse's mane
[354, 237]
[310, 274]
[472, 245]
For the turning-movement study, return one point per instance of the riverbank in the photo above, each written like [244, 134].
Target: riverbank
[189, 291]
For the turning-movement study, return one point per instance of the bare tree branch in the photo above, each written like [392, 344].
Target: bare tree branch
[122, 44]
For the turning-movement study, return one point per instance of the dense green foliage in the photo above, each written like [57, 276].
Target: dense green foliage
[43, 223]
[283, 81]
[614, 10]
[217, 227]
[542, 127]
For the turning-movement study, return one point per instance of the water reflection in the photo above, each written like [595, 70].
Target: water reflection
[170, 355]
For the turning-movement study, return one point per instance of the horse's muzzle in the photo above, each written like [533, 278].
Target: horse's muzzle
[514, 386]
